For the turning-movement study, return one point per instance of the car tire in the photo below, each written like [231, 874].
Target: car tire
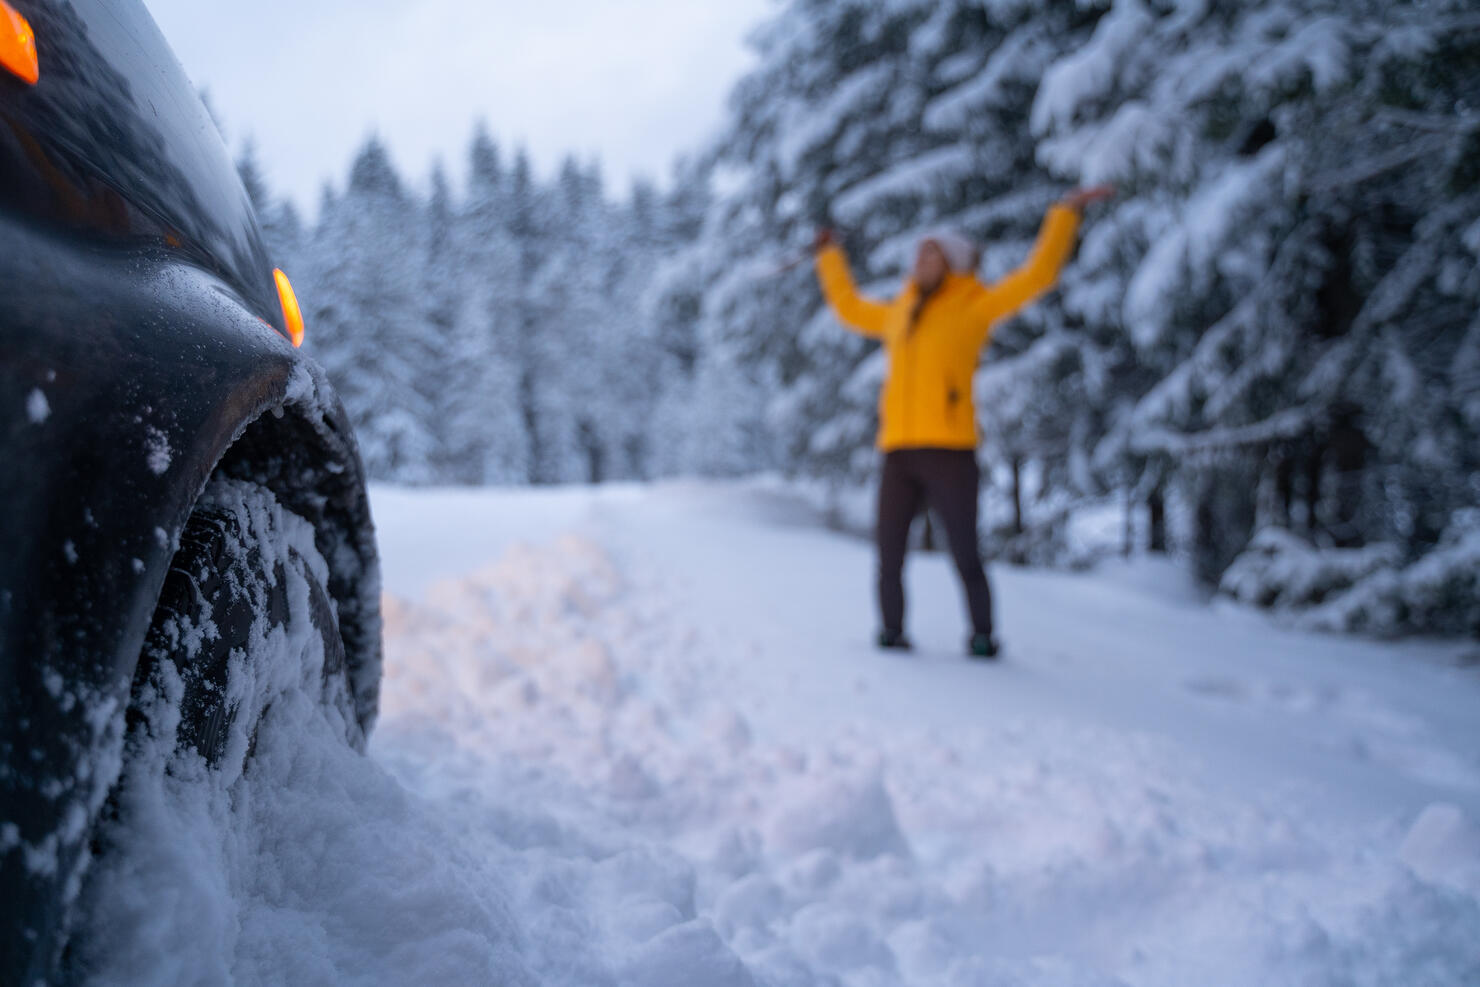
[244, 619]
[244, 607]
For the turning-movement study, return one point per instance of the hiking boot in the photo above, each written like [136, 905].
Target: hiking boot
[982, 646]
[894, 641]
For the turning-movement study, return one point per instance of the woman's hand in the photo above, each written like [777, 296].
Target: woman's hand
[1081, 197]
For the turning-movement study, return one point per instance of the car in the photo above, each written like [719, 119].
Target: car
[182, 500]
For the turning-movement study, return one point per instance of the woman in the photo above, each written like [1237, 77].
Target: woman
[934, 331]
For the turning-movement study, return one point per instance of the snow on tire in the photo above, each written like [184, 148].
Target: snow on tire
[244, 623]
[244, 617]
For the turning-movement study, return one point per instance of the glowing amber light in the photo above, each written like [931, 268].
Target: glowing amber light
[292, 314]
[18, 45]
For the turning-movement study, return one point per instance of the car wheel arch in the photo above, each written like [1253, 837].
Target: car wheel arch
[291, 436]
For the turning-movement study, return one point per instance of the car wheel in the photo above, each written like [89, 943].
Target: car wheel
[244, 621]
[244, 614]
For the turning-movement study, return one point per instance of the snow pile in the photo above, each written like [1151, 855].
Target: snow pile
[1443, 848]
[1281, 569]
[1364, 589]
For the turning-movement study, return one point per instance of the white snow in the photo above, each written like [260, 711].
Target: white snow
[157, 453]
[808, 127]
[1087, 73]
[1136, 141]
[1179, 260]
[1017, 58]
[637, 735]
[1318, 49]
[914, 176]
[1443, 847]
[38, 410]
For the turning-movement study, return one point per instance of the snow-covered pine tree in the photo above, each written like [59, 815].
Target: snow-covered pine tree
[1274, 233]
[486, 437]
[709, 417]
[629, 241]
[525, 217]
[368, 317]
[441, 298]
[567, 310]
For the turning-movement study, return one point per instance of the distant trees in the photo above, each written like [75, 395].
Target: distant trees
[493, 336]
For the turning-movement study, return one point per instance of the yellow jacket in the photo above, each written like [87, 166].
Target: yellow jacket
[927, 400]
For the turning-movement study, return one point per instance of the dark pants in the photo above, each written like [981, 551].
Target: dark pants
[946, 480]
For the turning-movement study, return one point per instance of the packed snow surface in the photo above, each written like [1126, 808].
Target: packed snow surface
[638, 736]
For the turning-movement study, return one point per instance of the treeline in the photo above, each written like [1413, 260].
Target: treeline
[1267, 350]
[494, 334]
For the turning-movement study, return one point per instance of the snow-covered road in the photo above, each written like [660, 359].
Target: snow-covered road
[637, 735]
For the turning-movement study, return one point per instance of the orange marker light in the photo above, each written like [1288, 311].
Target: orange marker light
[18, 45]
[292, 314]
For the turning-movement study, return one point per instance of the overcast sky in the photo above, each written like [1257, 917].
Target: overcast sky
[633, 82]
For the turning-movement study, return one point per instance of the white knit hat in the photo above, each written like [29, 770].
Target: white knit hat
[961, 252]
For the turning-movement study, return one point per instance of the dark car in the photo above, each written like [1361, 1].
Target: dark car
[181, 497]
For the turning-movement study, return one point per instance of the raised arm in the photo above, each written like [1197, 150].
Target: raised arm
[864, 316]
[1038, 273]
[1041, 270]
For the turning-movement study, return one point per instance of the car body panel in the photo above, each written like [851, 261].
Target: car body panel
[114, 141]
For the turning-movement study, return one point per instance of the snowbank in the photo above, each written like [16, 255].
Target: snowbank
[1366, 589]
